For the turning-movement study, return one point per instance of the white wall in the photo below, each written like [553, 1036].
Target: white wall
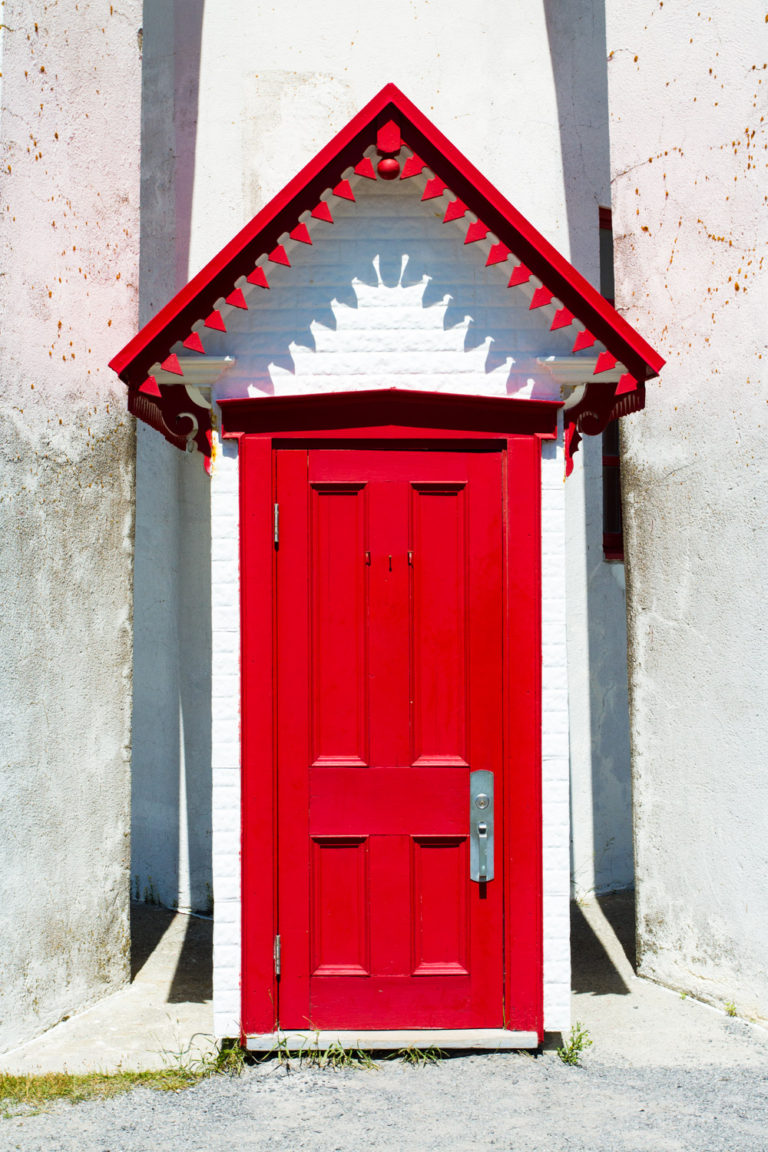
[687, 86]
[171, 763]
[268, 99]
[69, 254]
[601, 802]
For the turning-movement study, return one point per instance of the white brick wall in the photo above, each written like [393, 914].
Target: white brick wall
[225, 740]
[554, 738]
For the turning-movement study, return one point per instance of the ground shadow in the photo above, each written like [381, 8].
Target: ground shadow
[192, 981]
[619, 910]
[148, 926]
[593, 970]
[193, 978]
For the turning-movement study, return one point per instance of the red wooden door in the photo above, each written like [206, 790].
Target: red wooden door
[389, 692]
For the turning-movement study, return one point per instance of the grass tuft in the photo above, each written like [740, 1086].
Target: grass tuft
[414, 1055]
[34, 1092]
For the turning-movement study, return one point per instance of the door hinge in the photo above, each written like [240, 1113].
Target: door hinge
[276, 525]
[277, 955]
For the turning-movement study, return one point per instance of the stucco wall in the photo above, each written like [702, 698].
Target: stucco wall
[171, 765]
[687, 87]
[69, 256]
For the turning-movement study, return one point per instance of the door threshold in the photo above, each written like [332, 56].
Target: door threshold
[489, 1039]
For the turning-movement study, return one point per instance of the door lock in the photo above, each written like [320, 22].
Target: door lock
[481, 825]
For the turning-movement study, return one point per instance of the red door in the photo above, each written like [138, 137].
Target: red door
[389, 624]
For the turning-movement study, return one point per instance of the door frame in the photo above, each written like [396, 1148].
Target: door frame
[516, 429]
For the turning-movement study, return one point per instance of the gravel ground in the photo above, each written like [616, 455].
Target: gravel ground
[497, 1101]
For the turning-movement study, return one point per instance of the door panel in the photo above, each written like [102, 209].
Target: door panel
[389, 691]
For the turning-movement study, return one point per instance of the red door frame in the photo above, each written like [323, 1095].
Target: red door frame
[515, 428]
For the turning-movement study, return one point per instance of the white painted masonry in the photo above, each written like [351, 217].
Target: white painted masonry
[555, 763]
[225, 739]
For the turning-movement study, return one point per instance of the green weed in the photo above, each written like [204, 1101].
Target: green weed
[414, 1055]
[730, 1008]
[578, 1040]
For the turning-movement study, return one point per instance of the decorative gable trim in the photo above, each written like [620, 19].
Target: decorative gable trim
[390, 123]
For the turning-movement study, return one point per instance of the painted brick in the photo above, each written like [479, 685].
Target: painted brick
[227, 889]
[225, 746]
[555, 762]
[226, 664]
[224, 864]
[225, 616]
[225, 755]
[226, 955]
[228, 937]
[222, 731]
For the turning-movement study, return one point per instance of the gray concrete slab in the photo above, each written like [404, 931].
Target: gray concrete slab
[165, 1014]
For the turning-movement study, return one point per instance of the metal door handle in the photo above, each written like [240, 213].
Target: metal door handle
[481, 825]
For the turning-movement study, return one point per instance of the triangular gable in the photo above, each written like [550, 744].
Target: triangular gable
[394, 127]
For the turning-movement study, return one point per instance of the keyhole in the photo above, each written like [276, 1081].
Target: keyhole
[390, 563]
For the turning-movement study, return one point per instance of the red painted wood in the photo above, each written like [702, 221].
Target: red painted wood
[388, 168]
[257, 557]
[380, 667]
[365, 168]
[301, 233]
[194, 343]
[150, 388]
[388, 139]
[455, 210]
[563, 318]
[475, 232]
[279, 255]
[216, 279]
[216, 321]
[605, 362]
[236, 299]
[171, 364]
[412, 167]
[522, 699]
[322, 211]
[388, 846]
[520, 275]
[627, 383]
[434, 188]
[498, 254]
[344, 190]
[391, 413]
[583, 340]
[540, 298]
[258, 277]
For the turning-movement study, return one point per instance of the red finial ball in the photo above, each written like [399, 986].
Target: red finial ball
[388, 168]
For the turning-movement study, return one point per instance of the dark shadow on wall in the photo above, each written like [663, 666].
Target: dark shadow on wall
[577, 42]
[171, 738]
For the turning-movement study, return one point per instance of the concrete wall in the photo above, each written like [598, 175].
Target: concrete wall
[68, 295]
[687, 88]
